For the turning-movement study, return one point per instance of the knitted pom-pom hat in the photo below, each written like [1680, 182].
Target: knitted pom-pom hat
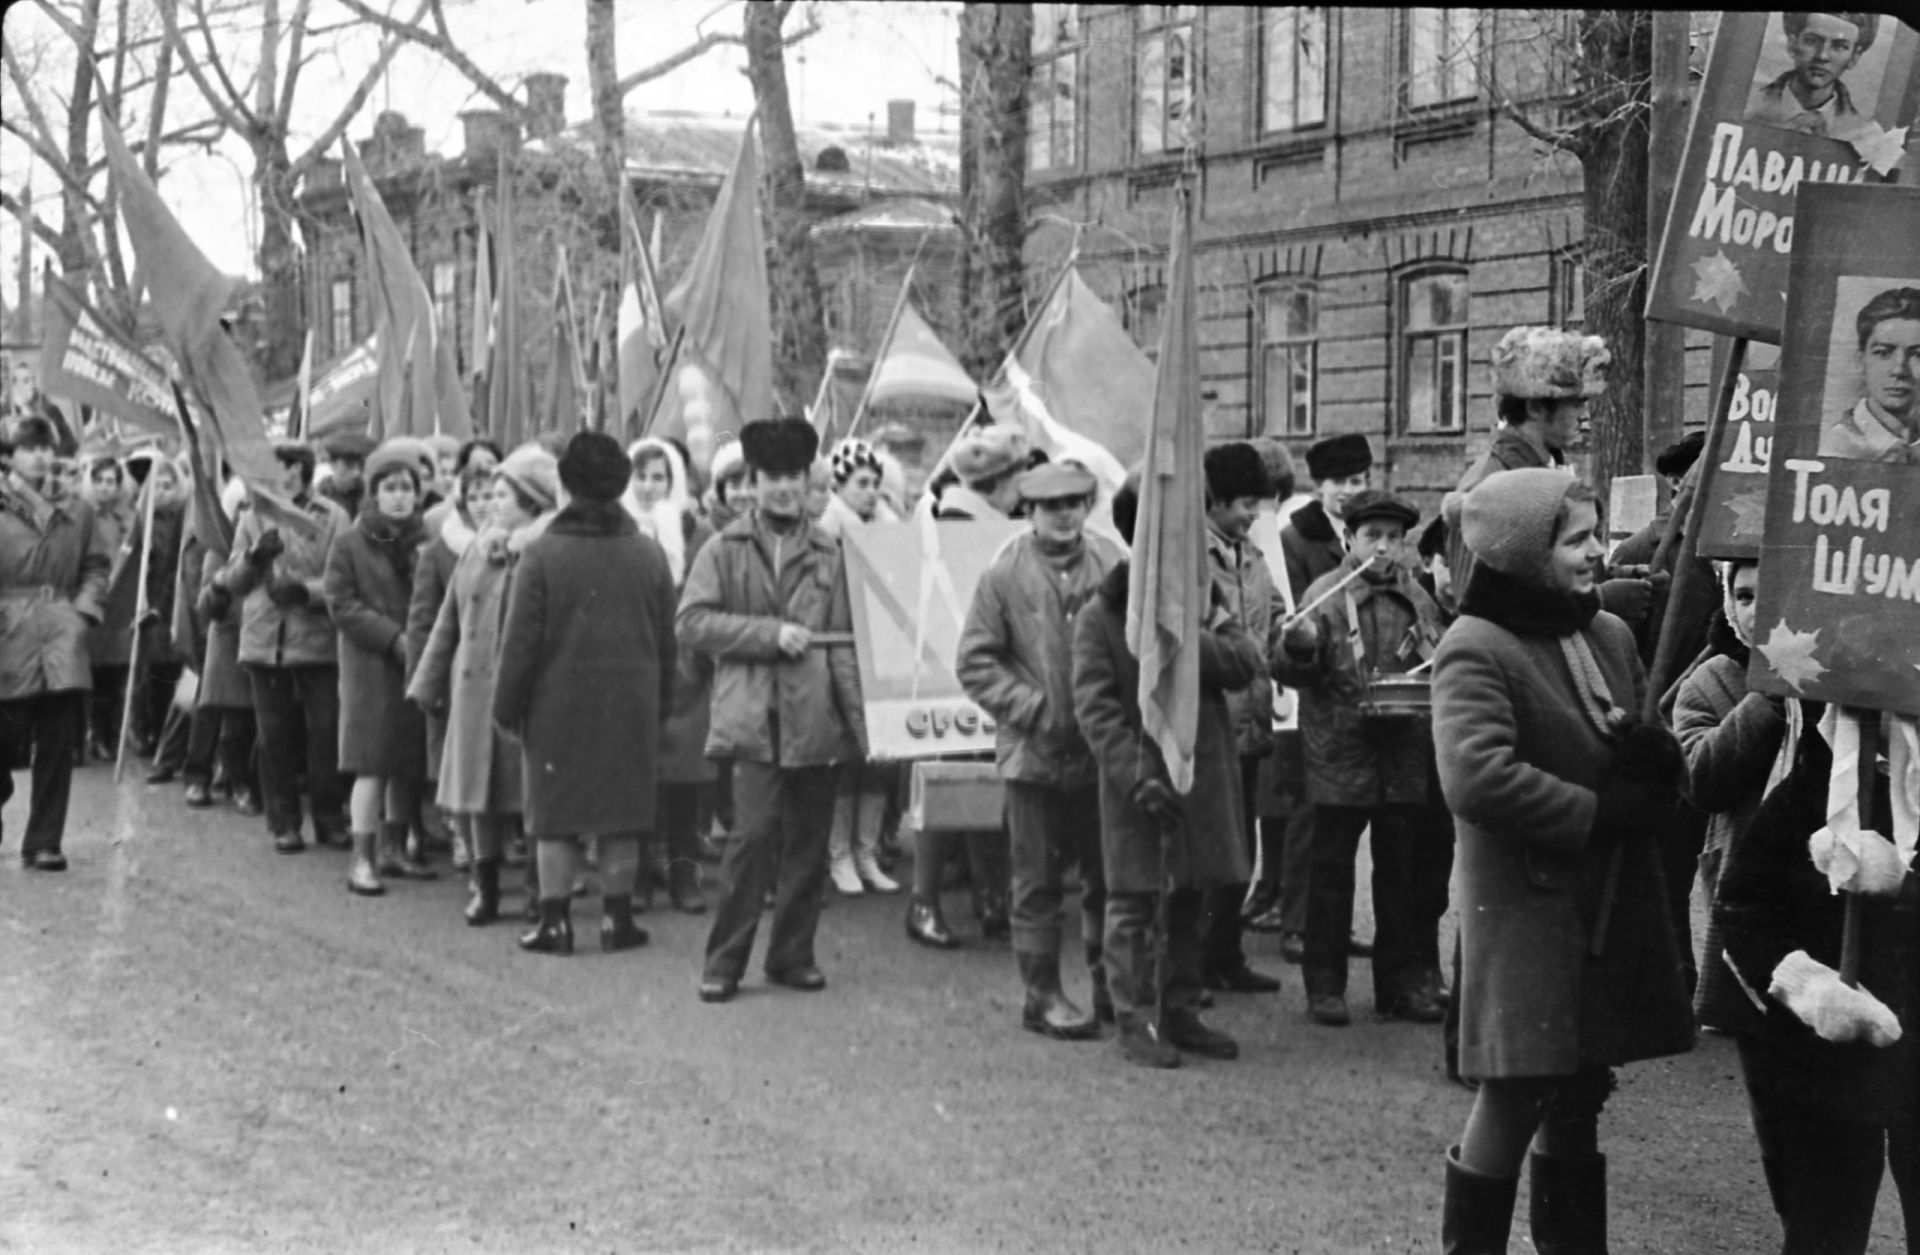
[1508, 519]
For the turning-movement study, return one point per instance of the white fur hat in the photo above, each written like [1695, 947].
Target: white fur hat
[1549, 363]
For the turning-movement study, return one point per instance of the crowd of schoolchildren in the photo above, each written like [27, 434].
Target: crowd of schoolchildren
[562, 655]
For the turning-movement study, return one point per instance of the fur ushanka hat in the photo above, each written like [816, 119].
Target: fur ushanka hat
[1551, 364]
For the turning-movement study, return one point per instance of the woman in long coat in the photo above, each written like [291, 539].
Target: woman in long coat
[1558, 797]
[479, 772]
[369, 583]
[586, 671]
[223, 724]
[110, 643]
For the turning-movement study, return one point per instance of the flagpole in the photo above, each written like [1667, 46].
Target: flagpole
[820, 393]
[886, 343]
[140, 608]
[661, 384]
[304, 402]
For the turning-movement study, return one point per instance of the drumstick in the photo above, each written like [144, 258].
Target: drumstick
[1311, 606]
[1422, 667]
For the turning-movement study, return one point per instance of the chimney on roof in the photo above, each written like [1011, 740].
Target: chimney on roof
[485, 132]
[899, 123]
[394, 143]
[546, 104]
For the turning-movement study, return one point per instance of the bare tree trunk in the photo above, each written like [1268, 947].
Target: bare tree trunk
[610, 125]
[281, 288]
[799, 323]
[1616, 68]
[995, 49]
[74, 222]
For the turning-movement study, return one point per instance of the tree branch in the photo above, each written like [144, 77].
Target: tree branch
[388, 47]
[302, 11]
[440, 42]
[266, 95]
[19, 209]
[234, 117]
[705, 44]
[234, 94]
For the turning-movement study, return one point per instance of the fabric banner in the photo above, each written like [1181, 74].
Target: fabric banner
[1737, 496]
[915, 365]
[1839, 612]
[1789, 99]
[910, 585]
[85, 360]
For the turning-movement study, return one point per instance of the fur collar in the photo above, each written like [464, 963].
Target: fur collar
[1311, 521]
[457, 532]
[581, 517]
[1524, 607]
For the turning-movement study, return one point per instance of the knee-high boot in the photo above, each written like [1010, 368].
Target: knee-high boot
[1479, 1210]
[484, 906]
[361, 876]
[1567, 1204]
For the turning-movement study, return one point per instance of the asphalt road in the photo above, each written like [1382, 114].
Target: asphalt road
[209, 1047]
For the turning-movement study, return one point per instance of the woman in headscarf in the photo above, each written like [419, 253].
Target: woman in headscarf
[1558, 793]
[369, 583]
[661, 503]
[479, 772]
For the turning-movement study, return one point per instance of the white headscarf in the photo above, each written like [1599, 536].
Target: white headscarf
[665, 520]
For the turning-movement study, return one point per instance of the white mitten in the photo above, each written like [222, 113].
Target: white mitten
[1864, 862]
[1824, 1003]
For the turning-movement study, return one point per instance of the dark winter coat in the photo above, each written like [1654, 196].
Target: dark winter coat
[1207, 851]
[1511, 450]
[53, 576]
[223, 685]
[743, 585]
[1730, 737]
[110, 644]
[454, 681]
[1520, 764]
[1015, 656]
[1312, 546]
[683, 738]
[1353, 759]
[586, 672]
[296, 635]
[1240, 573]
[369, 582]
[1773, 901]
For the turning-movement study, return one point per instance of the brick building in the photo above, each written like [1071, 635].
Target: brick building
[1367, 223]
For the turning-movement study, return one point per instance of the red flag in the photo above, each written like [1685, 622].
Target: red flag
[509, 395]
[188, 297]
[566, 380]
[1168, 593]
[480, 345]
[724, 373]
[641, 329]
[86, 359]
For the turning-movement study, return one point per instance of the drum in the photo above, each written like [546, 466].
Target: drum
[1398, 697]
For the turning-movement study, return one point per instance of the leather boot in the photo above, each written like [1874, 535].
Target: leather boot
[1478, 1213]
[484, 906]
[926, 925]
[555, 933]
[1140, 1043]
[393, 859]
[1567, 1204]
[683, 886]
[1047, 1010]
[995, 924]
[1102, 996]
[617, 929]
[361, 876]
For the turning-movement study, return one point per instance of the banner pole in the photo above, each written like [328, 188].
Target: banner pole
[886, 343]
[140, 608]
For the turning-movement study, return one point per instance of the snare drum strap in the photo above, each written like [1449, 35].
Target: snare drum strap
[1416, 642]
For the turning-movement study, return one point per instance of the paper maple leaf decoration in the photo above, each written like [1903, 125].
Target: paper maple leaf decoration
[1749, 511]
[1790, 654]
[1880, 148]
[1717, 280]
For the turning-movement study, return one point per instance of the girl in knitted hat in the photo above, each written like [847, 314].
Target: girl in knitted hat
[1557, 793]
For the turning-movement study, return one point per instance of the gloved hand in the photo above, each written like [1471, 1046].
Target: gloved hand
[1868, 863]
[398, 650]
[1159, 800]
[1301, 637]
[267, 548]
[216, 601]
[1632, 599]
[288, 594]
[1628, 806]
[1649, 752]
[1815, 993]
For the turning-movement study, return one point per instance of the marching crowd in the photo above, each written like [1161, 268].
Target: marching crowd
[565, 654]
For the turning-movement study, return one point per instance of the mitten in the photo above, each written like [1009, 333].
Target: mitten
[398, 650]
[1863, 863]
[1302, 637]
[1823, 1002]
[1649, 752]
[288, 594]
[1158, 800]
[217, 600]
[1630, 599]
[267, 548]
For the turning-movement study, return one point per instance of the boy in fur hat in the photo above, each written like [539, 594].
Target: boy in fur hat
[786, 710]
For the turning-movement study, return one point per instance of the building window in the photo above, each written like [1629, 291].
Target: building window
[1164, 68]
[1433, 351]
[1141, 312]
[1567, 290]
[1293, 69]
[1287, 316]
[340, 315]
[1442, 55]
[1052, 118]
[446, 305]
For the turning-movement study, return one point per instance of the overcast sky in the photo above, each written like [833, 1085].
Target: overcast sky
[864, 55]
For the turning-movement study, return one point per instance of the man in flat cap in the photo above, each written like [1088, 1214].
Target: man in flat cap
[1015, 659]
[346, 453]
[786, 707]
[988, 461]
[1364, 767]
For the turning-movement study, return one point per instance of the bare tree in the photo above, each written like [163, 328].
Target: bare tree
[799, 321]
[995, 54]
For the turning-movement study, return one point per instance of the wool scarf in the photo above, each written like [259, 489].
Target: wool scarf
[398, 539]
[1529, 608]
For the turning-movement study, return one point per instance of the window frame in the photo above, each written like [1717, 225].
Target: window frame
[1448, 63]
[1265, 343]
[1407, 338]
[1268, 24]
[1049, 60]
[337, 308]
[1161, 22]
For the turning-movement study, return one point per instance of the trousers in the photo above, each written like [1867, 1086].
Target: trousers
[782, 817]
[1138, 972]
[1050, 830]
[286, 702]
[47, 726]
[1336, 843]
[223, 733]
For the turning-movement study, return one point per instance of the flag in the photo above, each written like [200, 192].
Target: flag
[188, 296]
[566, 381]
[1168, 593]
[300, 421]
[85, 359]
[205, 517]
[1076, 380]
[480, 342]
[416, 360]
[509, 395]
[642, 329]
[913, 365]
[722, 375]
